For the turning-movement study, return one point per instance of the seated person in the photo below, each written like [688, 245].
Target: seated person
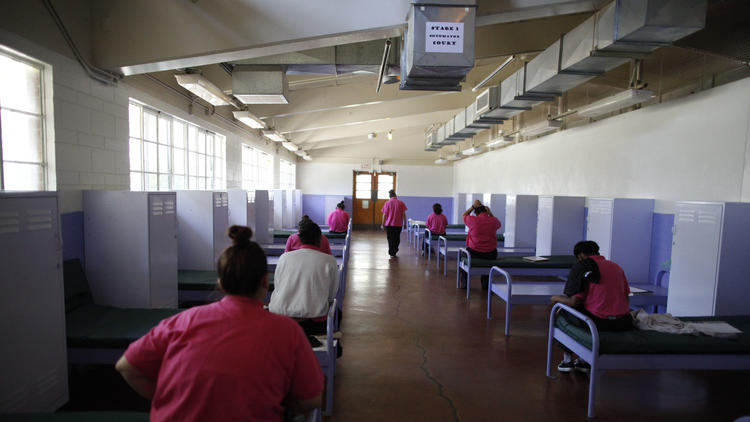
[436, 223]
[598, 289]
[338, 219]
[481, 241]
[305, 282]
[229, 360]
[293, 242]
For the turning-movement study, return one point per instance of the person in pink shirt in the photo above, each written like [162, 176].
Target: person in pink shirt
[338, 219]
[598, 288]
[394, 219]
[436, 223]
[229, 360]
[293, 242]
[481, 241]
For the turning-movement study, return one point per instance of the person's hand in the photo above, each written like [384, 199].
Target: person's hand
[381, 227]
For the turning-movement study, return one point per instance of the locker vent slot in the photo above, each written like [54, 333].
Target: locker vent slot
[169, 207]
[686, 216]
[48, 382]
[217, 201]
[9, 222]
[38, 220]
[708, 217]
[224, 200]
[157, 208]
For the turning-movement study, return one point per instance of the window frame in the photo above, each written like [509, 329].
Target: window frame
[261, 165]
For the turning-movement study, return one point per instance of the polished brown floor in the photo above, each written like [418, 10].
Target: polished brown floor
[416, 350]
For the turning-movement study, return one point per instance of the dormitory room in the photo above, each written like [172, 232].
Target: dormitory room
[359, 210]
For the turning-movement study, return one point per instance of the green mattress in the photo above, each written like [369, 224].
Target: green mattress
[286, 233]
[554, 261]
[449, 226]
[103, 326]
[655, 343]
[462, 236]
[77, 417]
[201, 280]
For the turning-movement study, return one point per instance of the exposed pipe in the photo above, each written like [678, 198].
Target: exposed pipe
[101, 75]
[494, 72]
[383, 64]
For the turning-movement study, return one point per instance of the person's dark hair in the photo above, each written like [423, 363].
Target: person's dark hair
[241, 267]
[480, 209]
[437, 209]
[309, 233]
[391, 193]
[340, 205]
[586, 247]
[305, 219]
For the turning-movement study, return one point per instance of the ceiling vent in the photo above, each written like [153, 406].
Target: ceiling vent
[259, 84]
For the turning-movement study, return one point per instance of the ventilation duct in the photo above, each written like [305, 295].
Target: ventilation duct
[259, 84]
[450, 132]
[479, 120]
[465, 127]
[430, 142]
[488, 106]
[438, 49]
[442, 139]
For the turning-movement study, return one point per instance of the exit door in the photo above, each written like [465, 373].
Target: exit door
[370, 193]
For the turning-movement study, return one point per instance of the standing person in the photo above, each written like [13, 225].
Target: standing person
[394, 218]
[230, 360]
[481, 241]
[598, 288]
[436, 223]
[338, 219]
[293, 242]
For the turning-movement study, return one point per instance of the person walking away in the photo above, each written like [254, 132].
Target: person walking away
[394, 218]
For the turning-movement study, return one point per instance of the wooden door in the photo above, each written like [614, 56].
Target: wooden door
[370, 191]
[383, 183]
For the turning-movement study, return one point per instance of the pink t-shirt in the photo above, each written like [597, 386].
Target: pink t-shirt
[608, 297]
[436, 223]
[338, 220]
[230, 360]
[394, 210]
[293, 243]
[482, 236]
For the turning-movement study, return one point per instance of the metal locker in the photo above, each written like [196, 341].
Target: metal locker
[520, 221]
[263, 210]
[559, 225]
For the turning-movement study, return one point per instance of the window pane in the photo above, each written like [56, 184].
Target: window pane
[210, 164]
[192, 164]
[202, 183]
[135, 181]
[178, 183]
[151, 182]
[201, 165]
[383, 194]
[385, 179]
[164, 130]
[363, 194]
[20, 86]
[364, 186]
[23, 176]
[202, 142]
[149, 157]
[163, 182]
[22, 137]
[163, 159]
[192, 182]
[179, 161]
[192, 138]
[149, 126]
[364, 178]
[134, 119]
[178, 140]
[210, 144]
[135, 154]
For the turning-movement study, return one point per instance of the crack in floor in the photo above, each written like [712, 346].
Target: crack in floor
[441, 392]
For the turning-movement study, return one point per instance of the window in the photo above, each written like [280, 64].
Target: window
[363, 186]
[257, 169]
[287, 176]
[167, 153]
[23, 140]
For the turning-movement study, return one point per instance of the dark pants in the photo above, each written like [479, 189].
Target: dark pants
[624, 323]
[394, 239]
[483, 255]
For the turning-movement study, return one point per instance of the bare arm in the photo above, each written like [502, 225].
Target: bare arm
[142, 384]
[573, 301]
[382, 223]
[489, 211]
[404, 220]
[304, 406]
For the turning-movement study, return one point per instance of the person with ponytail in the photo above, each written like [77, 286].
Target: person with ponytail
[338, 219]
[293, 242]
[228, 360]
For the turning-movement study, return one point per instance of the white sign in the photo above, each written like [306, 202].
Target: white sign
[444, 37]
[365, 204]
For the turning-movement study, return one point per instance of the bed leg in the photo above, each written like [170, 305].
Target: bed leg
[489, 299]
[550, 342]
[507, 318]
[593, 376]
[468, 283]
[458, 272]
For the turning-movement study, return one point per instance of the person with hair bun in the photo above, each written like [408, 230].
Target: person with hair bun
[481, 240]
[436, 223]
[338, 219]
[228, 360]
[293, 242]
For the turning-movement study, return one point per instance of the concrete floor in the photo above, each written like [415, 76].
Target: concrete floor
[416, 350]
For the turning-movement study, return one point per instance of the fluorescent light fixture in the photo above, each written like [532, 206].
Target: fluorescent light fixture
[500, 141]
[273, 135]
[441, 160]
[473, 150]
[454, 157]
[541, 128]
[300, 153]
[307, 158]
[203, 88]
[390, 135]
[290, 146]
[616, 102]
[247, 118]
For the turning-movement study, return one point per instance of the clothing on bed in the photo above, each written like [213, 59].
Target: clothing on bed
[437, 223]
[229, 360]
[482, 236]
[338, 221]
[304, 282]
[293, 243]
[666, 323]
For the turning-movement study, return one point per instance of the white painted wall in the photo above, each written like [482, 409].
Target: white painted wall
[692, 148]
[325, 178]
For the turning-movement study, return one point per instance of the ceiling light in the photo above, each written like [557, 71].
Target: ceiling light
[247, 118]
[307, 158]
[616, 102]
[203, 88]
[390, 135]
[473, 150]
[300, 153]
[273, 135]
[441, 160]
[372, 135]
[290, 146]
[454, 157]
[500, 141]
[541, 128]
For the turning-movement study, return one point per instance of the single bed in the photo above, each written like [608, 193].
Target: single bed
[280, 236]
[197, 287]
[539, 293]
[277, 249]
[553, 265]
[100, 334]
[639, 349]
[418, 232]
[449, 245]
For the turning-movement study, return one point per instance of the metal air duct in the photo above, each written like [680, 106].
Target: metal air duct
[259, 84]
